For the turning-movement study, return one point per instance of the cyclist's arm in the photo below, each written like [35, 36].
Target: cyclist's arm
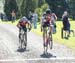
[29, 25]
[18, 25]
[55, 17]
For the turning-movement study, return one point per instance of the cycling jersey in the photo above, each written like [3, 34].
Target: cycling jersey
[23, 21]
[48, 18]
[46, 21]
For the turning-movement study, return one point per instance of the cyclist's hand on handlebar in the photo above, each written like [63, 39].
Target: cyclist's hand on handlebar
[29, 29]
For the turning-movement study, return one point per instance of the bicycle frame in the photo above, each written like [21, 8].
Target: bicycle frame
[22, 38]
[49, 40]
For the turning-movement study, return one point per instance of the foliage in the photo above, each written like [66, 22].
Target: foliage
[57, 5]
[71, 4]
[44, 7]
[27, 6]
[41, 2]
[9, 6]
[40, 10]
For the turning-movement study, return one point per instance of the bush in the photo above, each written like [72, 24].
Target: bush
[44, 7]
[41, 10]
[9, 6]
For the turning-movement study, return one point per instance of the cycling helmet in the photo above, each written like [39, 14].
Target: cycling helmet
[44, 13]
[24, 18]
[48, 11]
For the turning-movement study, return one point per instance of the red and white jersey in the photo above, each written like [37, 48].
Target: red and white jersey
[23, 21]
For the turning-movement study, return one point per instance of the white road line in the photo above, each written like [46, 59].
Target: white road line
[36, 59]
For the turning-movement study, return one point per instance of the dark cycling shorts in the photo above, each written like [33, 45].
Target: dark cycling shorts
[46, 24]
[24, 28]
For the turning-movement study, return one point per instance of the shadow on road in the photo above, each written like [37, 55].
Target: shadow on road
[48, 55]
[22, 50]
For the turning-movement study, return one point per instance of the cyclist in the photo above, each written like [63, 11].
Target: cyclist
[22, 26]
[46, 23]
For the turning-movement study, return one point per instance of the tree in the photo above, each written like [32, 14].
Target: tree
[19, 2]
[40, 2]
[72, 8]
[58, 6]
[9, 6]
[27, 6]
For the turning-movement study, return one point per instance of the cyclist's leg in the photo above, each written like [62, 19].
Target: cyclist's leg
[25, 39]
[25, 43]
[44, 39]
[20, 38]
[44, 33]
[47, 39]
[44, 36]
[19, 34]
[51, 29]
[50, 40]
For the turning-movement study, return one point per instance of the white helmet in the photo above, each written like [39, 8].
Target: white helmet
[24, 18]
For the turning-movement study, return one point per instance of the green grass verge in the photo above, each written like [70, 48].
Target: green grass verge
[56, 37]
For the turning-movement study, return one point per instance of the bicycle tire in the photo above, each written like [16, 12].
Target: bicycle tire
[51, 41]
[21, 38]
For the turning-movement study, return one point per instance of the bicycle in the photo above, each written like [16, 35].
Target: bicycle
[49, 39]
[22, 38]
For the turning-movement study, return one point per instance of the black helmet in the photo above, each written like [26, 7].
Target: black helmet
[48, 11]
[44, 13]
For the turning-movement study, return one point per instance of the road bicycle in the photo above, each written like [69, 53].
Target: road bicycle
[22, 38]
[49, 39]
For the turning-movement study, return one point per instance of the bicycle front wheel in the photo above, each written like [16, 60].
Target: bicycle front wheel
[50, 41]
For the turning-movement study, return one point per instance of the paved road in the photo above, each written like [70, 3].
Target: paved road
[9, 51]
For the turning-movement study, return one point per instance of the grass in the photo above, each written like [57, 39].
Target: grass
[56, 37]
[9, 22]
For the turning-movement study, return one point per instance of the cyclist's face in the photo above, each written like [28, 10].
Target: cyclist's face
[48, 14]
